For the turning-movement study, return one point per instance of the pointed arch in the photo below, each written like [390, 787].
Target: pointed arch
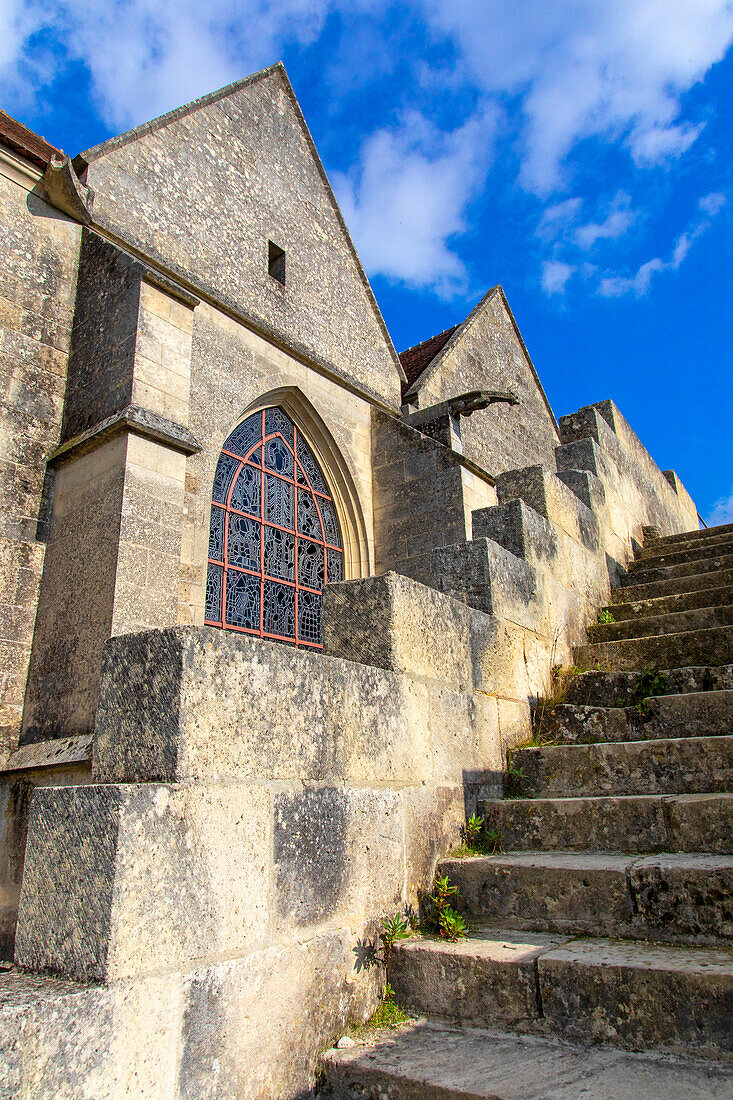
[285, 520]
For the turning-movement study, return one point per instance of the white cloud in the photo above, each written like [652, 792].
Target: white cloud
[555, 275]
[407, 198]
[613, 286]
[619, 218]
[614, 69]
[721, 512]
[557, 218]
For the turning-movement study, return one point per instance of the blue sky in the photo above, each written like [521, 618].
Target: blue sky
[580, 152]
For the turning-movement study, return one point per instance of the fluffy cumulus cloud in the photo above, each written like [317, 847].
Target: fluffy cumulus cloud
[561, 74]
[407, 196]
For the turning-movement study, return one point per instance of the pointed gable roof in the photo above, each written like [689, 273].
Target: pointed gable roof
[423, 366]
[416, 359]
[201, 126]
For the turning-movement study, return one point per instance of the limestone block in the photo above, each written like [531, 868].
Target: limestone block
[254, 1026]
[521, 531]
[433, 818]
[547, 495]
[187, 704]
[493, 580]
[509, 660]
[386, 621]
[122, 881]
[337, 853]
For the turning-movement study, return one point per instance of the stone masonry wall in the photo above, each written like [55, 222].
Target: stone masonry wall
[37, 283]
[254, 835]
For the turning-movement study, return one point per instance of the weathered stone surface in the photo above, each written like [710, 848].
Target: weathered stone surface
[659, 766]
[479, 980]
[639, 995]
[431, 1062]
[635, 823]
[677, 585]
[709, 646]
[669, 623]
[611, 689]
[682, 898]
[682, 601]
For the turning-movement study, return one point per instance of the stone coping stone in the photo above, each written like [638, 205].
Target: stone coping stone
[430, 1061]
[620, 823]
[50, 754]
[679, 897]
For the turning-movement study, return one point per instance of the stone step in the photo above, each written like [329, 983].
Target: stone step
[603, 990]
[614, 823]
[680, 765]
[711, 646]
[619, 689]
[702, 534]
[630, 592]
[656, 555]
[664, 605]
[684, 898]
[645, 572]
[425, 1060]
[693, 714]
[675, 622]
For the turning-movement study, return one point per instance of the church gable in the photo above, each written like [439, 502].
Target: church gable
[229, 194]
[487, 352]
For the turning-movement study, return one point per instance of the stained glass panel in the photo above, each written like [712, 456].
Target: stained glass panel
[246, 491]
[275, 596]
[244, 436]
[243, 543]
[216, 533]
[243, 600]
[279, 553]
[310, 564]
[308, 522]
[214, 580]
[226, 468]
[278, 501]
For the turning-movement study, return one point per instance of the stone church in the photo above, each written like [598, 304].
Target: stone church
[277, 602]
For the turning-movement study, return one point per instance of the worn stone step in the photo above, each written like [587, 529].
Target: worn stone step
[675, 622]
[630, 592]
[664, 605]
[681, 765]
[604, 990]
[710, 646]
[656, 555]
[691, 714]
[425, 1060]
[677, 897]
[620, 823]
[620, 689]
[646, 572]
[702, 534]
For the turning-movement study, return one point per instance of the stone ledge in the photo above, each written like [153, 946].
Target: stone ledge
[50, 754]
[131, 419]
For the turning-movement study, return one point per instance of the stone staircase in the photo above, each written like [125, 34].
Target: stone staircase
[601, 961]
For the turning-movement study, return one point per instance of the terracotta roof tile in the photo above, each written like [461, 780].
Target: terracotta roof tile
[415, 360]
[21, 140]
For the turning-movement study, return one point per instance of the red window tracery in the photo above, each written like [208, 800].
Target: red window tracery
[274, 536]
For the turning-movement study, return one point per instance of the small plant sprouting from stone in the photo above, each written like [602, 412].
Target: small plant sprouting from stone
[440, 916]
[605, 617]
[651, 682]
[473, 829]
[387, 1013]
[393, 929]
[515, 781]
[480, 839]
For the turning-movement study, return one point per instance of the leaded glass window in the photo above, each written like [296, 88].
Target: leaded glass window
[274, 538]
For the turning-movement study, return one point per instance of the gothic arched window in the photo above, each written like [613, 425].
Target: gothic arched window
[274, 538]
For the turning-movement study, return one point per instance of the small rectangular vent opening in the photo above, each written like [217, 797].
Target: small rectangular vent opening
[276, 262]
